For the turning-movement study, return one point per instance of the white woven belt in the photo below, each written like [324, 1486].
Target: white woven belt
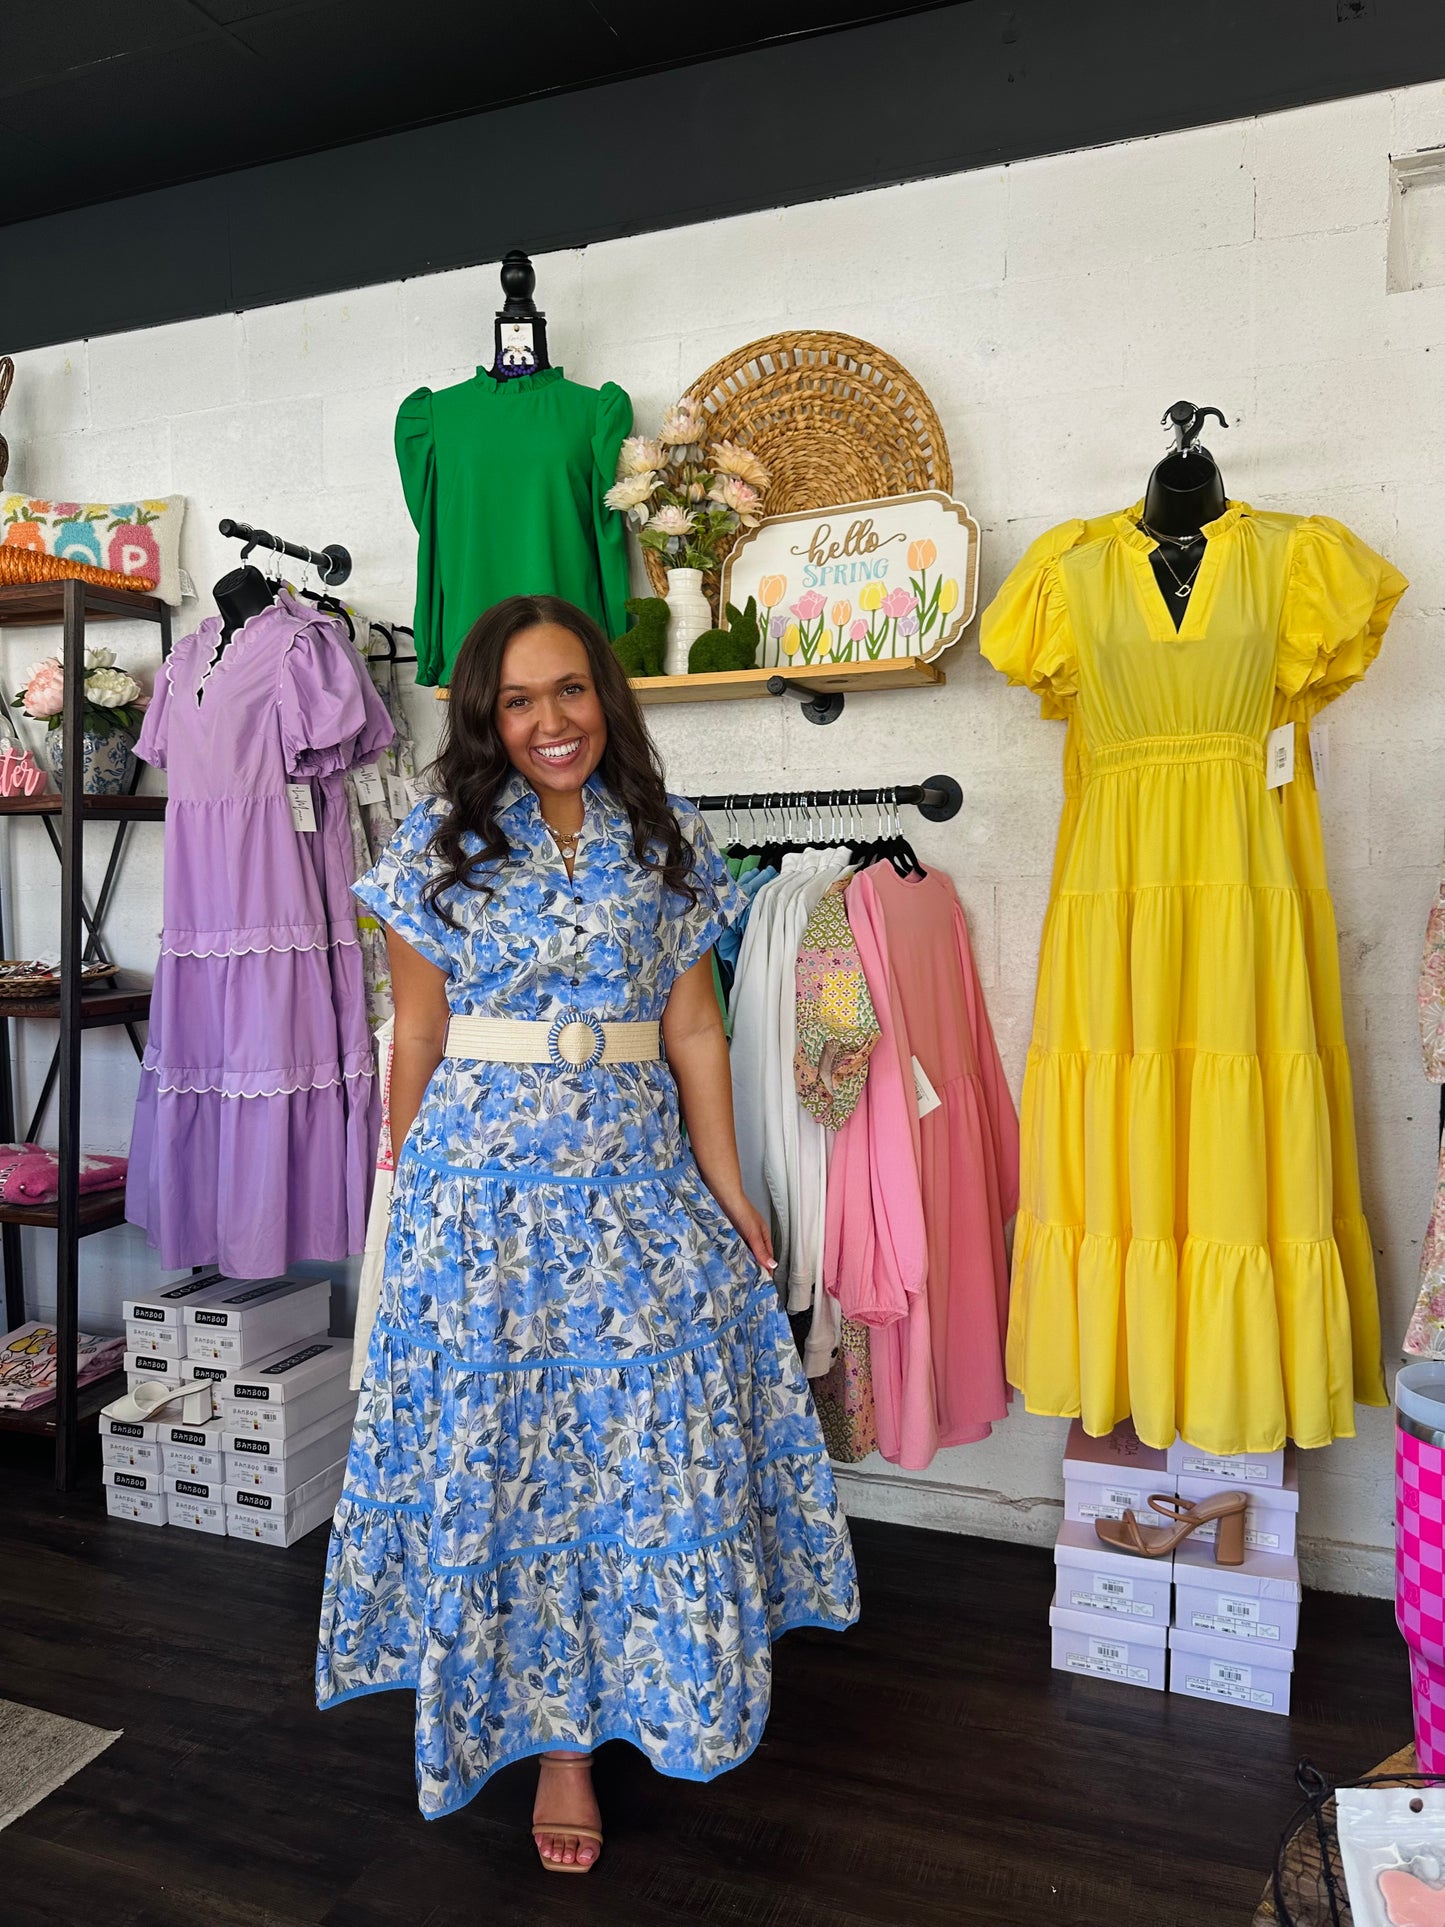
[572, 1040]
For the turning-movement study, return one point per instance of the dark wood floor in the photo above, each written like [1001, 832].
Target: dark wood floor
[925, 1770]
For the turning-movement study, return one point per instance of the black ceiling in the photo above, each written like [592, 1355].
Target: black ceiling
[103, 100]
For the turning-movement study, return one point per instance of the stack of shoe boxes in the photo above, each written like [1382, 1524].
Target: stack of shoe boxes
[1234, 1629]
[1110, 1616]
[164, 1470]
[1207, 1631]
[286, 1428]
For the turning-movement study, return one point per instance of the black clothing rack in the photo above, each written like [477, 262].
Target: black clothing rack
[333, 562]
[938, 798]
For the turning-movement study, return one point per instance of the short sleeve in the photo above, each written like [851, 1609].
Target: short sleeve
[1339, 597]
[1025, 632]
[392, 889]
[614, 424]
[417, 464]
[153, 745]
[691, 929]
[331, 714]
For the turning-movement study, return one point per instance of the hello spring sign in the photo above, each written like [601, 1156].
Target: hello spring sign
[864, 582]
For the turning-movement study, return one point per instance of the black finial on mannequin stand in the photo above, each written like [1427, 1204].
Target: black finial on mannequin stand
[1185, 492]
[520, 330]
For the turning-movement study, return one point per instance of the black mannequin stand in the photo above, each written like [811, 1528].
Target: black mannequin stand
[243, 593]
[520, 328]
[1185, 492]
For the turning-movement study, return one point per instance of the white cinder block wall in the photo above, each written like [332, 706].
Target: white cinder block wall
[1052, 310]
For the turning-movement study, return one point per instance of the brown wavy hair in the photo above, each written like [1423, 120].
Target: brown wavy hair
[472, 764]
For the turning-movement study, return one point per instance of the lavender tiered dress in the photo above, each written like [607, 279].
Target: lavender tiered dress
[256, 1122]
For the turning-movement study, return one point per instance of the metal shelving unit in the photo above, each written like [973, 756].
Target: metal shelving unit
[74, 1010]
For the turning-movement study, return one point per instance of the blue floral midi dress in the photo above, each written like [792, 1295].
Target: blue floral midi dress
[587, 1486]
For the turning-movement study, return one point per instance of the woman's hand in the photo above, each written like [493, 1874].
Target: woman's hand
[752, 1228]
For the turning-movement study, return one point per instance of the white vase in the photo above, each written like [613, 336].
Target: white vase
[688, 615]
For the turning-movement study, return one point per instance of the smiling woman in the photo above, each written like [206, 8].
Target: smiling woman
[587, 1486]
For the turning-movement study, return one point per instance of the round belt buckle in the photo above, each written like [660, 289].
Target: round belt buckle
[576, 1041]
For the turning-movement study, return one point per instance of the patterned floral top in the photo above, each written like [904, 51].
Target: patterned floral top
[542, 944]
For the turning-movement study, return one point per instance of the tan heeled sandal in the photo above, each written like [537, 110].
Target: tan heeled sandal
[563, 1828]
[1154, 1542]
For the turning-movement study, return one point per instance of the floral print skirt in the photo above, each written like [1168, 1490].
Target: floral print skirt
[587, 1486]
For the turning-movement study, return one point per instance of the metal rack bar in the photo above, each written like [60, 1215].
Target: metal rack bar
[938, 798]
[333, 562]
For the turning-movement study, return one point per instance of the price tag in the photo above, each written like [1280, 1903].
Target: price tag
[303, 809]
[399, 798]
[928, 1098]
[1320, 753]
[368, 784]
[1279, 757]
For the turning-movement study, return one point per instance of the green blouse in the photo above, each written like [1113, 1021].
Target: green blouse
[504, 481]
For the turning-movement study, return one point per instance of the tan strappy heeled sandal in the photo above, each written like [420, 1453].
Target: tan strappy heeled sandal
[565, 1828]
[1154, 1542]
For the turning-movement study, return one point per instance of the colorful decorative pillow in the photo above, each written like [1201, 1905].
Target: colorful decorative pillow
[30, 1174]
[130, 538]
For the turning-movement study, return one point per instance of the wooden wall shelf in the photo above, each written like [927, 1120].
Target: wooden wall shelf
[802, 679]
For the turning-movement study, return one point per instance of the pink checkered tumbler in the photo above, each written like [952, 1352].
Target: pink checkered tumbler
[1420, 1550]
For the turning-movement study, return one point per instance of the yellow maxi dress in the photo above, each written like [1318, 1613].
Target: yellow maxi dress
[1190, 1185]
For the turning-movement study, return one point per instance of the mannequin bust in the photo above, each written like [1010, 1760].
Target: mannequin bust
[520, 328]
[243, 593]
[1185, 491]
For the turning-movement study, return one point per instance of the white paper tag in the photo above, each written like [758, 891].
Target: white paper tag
[303, 809]
[1320, 753]
[188, 587]
[1250, 1470]
[368, 784]
[399, 798]
[1279, 757]
[928, 1098]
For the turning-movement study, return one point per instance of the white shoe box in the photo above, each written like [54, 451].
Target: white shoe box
[1256, 1603]
[1105, 1477]
[161, 1341]
[127, 1478]
[1132, 1654]
[291, 1372]
[146, 1368]
[252, 1320]
[196, 1514]
[281, 1519]
[1271, 1523]
[193, 1451]
[1244, 1468]
[299, 1417]
[137, 1455]
[166, 1306]
[1093, 1578]
[146, 1508]
[1203, 1667]
[263, 1471]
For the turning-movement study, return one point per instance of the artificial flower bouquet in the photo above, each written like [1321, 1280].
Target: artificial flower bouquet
[113, 700]
[685, 499]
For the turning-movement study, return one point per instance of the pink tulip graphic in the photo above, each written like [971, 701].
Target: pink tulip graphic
[858, 631]
[808, 607]
[899, 603]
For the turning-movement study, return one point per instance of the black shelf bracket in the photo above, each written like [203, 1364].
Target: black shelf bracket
[819, 705]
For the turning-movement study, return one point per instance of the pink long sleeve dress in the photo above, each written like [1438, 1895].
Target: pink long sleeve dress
[917, 1206]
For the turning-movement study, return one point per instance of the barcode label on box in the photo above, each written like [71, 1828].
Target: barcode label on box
[1107, 1657]
[1232, 1628]
[1229, 1683]
[1097, 1602]
[1249, 1470]
[1232, 1606]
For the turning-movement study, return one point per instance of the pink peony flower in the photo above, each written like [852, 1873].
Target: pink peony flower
[44, 693]
[808, 607]
[899, 603]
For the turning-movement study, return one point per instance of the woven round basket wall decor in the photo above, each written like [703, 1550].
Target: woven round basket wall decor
[834, 419]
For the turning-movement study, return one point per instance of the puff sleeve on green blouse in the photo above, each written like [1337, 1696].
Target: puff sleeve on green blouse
[504, 481]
